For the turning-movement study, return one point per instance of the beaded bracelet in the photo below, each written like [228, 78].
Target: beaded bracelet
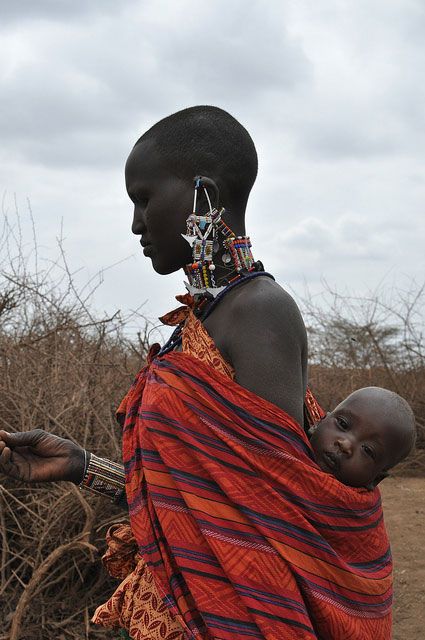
[103, 477]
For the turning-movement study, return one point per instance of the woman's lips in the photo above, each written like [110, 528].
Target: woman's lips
[147, 247]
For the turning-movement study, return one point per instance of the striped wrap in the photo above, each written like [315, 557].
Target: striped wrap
[246, 537]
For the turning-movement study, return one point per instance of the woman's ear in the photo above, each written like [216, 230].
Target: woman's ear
[210, 186]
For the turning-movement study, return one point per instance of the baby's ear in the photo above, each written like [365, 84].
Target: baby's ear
[381, 476]
[312, 429]
[314, 426]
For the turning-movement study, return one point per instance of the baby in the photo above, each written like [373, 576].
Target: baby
[366, 435]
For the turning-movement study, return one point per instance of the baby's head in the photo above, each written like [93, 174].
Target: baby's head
[366, 435]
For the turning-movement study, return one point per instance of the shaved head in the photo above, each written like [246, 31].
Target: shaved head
[395, 412]
[367, 434]
[206, 140]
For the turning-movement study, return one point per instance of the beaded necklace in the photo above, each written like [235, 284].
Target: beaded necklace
[206, 306]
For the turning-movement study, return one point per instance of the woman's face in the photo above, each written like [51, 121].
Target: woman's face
[162, 203]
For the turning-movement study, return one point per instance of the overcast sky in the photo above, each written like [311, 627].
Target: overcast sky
[333, 93]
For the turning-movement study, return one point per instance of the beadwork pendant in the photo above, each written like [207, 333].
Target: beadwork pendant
[189, 239]
[194, 291]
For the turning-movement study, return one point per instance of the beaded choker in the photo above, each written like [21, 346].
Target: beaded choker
[205, 306]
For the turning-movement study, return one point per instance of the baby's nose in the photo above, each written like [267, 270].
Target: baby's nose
[345, 446]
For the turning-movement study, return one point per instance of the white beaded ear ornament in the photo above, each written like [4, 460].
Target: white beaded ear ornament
[201, 234]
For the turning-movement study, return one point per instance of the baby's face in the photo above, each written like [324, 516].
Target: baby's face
[357, 441]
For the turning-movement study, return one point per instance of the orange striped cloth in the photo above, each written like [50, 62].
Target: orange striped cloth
[136, 605]
[243, 535]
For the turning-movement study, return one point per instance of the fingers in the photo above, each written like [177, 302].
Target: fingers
[5, 454]
[26, 438]
[5, 436]
[7, 464]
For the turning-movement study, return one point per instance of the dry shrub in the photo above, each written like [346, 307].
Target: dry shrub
[64, 371]
[377, 340]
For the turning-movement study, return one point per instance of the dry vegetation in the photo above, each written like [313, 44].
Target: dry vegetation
[65, 371]
[372, 341]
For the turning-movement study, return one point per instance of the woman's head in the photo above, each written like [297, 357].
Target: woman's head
[364, 436]
[160, 174]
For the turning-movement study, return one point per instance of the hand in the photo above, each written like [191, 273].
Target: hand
[38, 456]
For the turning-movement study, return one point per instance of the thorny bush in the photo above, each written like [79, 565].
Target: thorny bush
[65, 371]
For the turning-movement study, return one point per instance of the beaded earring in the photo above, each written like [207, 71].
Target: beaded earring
[205, 234]
[201, 232]
[237, 249]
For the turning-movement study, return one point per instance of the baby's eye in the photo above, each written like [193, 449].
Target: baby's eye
[369, 451]
[342, 422]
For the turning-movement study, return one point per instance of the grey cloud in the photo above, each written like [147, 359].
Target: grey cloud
[250, 52]
[331, 94]
[344, 239]
[345, 135]
[82, 83]
[22, 11]
[366, 80]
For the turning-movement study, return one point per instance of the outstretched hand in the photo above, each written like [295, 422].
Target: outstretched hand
[38, 456]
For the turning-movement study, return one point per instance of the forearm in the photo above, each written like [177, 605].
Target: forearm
[105, 478]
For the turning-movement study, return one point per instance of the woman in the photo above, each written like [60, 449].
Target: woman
[224, 542]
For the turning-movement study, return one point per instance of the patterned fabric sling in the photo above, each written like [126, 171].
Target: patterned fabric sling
[242, 535]
[136, 605]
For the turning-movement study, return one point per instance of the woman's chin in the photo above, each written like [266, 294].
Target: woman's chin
[164, 268]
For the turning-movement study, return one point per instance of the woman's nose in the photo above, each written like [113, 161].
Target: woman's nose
[345, 445]
[138, 226]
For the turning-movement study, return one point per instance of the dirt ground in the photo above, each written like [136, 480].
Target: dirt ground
[404, 512]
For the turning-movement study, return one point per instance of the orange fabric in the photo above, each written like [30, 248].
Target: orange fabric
[245, 535]
[197, 342]
[136, 605]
